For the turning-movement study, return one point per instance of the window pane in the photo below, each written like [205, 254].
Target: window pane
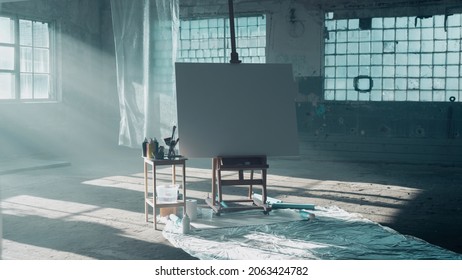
[364, 96]
[25, 32]
[402, 22]
[376, 71]
[453, 58]
[330, 84]
[26, 86]
[388, 84]
[6, 30]
[426, 59]
[426, 95]
[401, 71]
[389, 71]
[453, 45]
[329, 72]
[438, 95]
[400, 95]
[340, 83]
[388, 95]
[41, 86]
[364, 59]
[413, 71]
[454, 33]
[377, 47]
[401, 59]
[341, 48]
[439, 59]
[439, 71]
[341, 72]
[412, 95]
[414, 59]
[329, 95]
[6, 58]
[376, 95]
[414, 34]
[402, 47]
[427, 34]
[389, 46]
[377, 23]
[438, 83]
[452, 83]
[401, 34]
[365, 47]
[26, 59]
[376, 59]
[414, 46]
[340, 95]
[352, 71]
[426, 71]
[389, 35]
[377, 35]
[413, 84]
[440, 46]
[352, 48]
[427, 46]
[352, 95]
[7, 85]
[426, 84]
[340, 60]
[401, 84]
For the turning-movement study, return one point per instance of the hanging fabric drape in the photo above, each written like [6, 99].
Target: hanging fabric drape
[145, 36]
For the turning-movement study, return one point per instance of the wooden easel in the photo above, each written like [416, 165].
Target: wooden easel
[239, 164]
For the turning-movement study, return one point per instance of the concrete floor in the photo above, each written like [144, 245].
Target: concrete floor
[93, 208]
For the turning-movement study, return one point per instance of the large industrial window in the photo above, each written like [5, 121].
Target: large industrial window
[208, 40]
[393, 59]
[25, 60]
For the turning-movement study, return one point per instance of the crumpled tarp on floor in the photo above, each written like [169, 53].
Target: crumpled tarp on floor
[334, 235]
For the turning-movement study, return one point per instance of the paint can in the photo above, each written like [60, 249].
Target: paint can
[191, 209]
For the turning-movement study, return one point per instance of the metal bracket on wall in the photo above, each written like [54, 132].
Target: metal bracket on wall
[358, 79]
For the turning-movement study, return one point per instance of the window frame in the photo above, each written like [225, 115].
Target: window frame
[53, 95]
[224, 40]
[417, 60]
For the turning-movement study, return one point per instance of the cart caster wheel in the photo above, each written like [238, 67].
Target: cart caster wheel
[217, 214]
[266, 213]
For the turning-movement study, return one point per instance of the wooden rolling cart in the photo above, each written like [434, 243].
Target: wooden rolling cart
[150, 197]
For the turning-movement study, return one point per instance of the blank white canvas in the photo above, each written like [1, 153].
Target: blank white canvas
[236, 110]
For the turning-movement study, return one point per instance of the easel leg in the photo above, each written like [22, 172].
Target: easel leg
[263, 193]
[214, 180]
[184, 189]
[154, 212]
[251, 186]
[146, 205]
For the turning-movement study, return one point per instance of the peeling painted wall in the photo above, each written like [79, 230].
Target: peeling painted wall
[87, 118]
[406, 132]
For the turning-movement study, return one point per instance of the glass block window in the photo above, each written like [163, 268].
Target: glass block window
[208, 40]
[25, 60]
[393, 59]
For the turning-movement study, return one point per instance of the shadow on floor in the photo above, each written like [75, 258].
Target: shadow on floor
[88, 239]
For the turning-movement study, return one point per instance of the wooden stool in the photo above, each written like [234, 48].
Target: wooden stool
[239, 164]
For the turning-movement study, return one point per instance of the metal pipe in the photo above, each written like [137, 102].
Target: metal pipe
[234, 54]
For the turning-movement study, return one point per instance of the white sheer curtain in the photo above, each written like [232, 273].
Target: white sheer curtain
[145, 36]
